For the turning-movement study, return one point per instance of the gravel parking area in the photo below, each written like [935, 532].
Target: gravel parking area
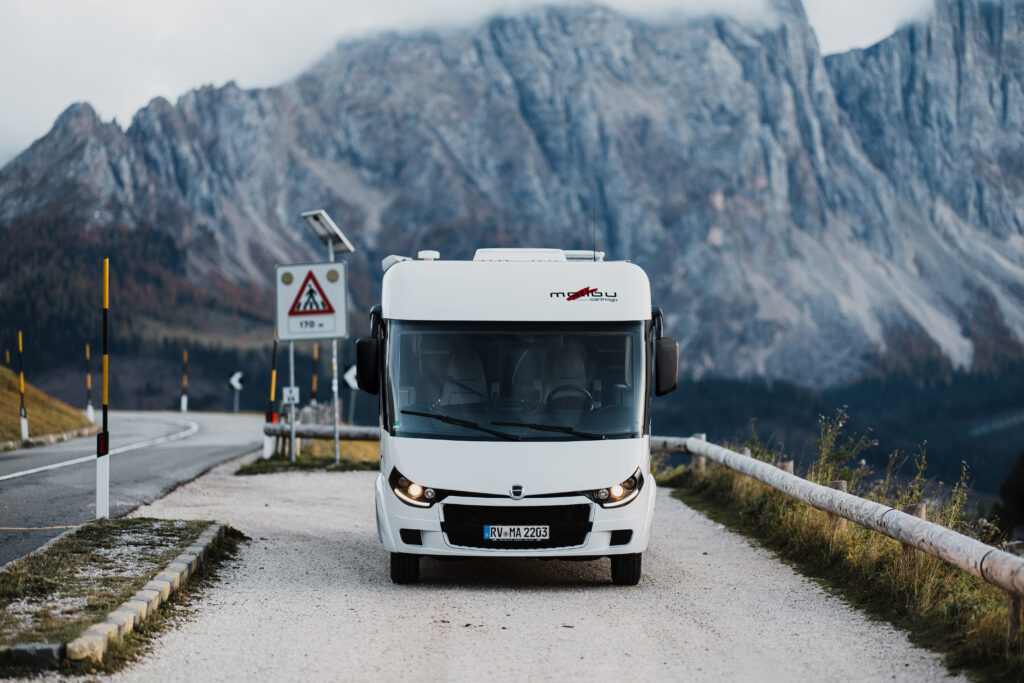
[311, 599]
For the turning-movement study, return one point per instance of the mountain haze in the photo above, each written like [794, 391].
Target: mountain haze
[803, 219]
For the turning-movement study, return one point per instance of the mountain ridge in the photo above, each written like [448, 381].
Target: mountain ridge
[732, 161]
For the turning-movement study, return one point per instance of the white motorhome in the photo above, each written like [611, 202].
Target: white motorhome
[515, 407]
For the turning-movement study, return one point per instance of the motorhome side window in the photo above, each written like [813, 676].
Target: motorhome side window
[522, 381]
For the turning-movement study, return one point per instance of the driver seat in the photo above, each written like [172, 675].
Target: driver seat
[566, 368]
[464, 380]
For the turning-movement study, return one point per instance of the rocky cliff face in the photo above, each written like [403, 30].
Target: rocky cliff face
[800, 218]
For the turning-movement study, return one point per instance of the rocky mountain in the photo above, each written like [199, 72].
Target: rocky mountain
[801, 218]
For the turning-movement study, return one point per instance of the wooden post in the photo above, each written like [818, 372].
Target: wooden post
[699, 462]
[787, 466]
[915, 510]
[837, 524]
[1015, 608]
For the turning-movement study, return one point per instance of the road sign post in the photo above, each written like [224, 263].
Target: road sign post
[236, 381]
[23, 414]
[353, 384]
[336, 242]
[316, 368]
[291, 408]
[103, 438]
[334, 363]
[312, 303]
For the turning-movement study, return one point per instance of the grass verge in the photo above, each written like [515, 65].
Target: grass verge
[319, 455]
[941, 607]
[54, 595]
[133, 645]
[46, 415]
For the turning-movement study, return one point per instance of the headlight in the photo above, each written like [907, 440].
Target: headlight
[619, 494]
[411, 493]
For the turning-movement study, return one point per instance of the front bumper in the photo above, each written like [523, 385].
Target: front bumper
[393, 516]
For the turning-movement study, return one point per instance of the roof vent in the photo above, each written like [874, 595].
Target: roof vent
[428, 255]
[583, 255]
[521, 255]
[391, 260]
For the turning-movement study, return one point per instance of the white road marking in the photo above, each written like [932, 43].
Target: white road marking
[192, 428]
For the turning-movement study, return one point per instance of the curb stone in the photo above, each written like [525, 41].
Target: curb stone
[47, 439]
[92, 644]
[36, 654]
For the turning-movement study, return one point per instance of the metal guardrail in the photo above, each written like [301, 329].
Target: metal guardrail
[995, 566]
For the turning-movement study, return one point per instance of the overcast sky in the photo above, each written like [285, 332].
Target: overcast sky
[119, 54]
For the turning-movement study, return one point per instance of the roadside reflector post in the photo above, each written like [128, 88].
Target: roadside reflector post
[90, 414]
[21, 390]
[103, 438]
[269, 441]
[184, 380]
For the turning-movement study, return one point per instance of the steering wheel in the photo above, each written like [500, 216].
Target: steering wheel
[572, 389]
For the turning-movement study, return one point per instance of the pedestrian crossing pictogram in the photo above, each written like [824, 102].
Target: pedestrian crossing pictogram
[311, 299]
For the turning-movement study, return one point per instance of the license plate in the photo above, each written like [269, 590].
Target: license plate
[493, 532]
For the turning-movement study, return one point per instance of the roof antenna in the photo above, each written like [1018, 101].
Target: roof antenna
[593, 224]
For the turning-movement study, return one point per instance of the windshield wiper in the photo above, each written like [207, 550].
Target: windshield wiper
[448, 419]
[551, 428]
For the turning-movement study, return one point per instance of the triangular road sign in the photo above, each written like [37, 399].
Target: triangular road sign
[311, 299]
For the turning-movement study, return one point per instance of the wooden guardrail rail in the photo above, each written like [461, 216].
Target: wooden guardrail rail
[995, 566]
[322, 431]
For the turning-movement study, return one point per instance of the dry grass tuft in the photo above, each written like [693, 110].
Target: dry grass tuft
[942, 607]
[46, 415]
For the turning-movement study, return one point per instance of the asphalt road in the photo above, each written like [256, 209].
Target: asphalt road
[151, 453]
[309, 598]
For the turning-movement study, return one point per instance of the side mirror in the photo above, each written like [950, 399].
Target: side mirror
[368, 364]
[666, 365]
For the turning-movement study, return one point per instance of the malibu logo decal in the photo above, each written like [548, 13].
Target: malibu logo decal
[586, 294]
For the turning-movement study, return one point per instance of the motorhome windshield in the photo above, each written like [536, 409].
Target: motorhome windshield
[516, 381]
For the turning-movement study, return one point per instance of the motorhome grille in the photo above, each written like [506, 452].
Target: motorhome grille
[464, 524]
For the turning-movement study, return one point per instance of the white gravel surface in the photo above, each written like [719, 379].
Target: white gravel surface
[311, 599]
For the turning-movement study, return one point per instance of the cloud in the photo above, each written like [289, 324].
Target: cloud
[118, 54]
[842, 26]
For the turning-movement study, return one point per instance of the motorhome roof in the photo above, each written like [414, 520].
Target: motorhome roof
[515, 289]
[558, 255]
